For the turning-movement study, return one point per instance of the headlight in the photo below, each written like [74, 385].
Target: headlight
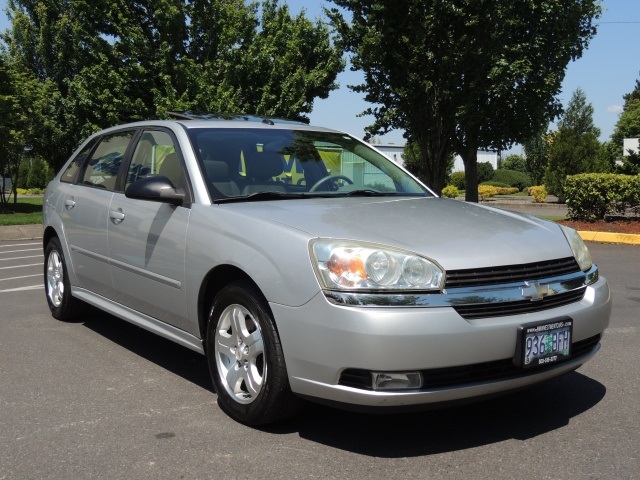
[346, 265]
[580, 251]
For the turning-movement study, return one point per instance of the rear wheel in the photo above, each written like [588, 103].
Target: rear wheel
[56, 283]
[245, 358]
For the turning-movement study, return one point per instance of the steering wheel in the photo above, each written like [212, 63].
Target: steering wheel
[329, 178]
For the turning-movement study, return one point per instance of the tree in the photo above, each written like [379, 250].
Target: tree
[575, 147]
[105, 62]
[514, 162]
[458, 76]
[536, 151]
[415, 163]
[18, 94]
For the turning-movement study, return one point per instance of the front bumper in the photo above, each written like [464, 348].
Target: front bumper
[321, 340]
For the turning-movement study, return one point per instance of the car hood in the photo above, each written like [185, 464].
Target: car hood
[456, 234]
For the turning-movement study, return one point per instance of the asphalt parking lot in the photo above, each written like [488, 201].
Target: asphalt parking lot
[103, 399]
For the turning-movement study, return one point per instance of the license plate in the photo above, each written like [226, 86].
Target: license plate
[544, 343]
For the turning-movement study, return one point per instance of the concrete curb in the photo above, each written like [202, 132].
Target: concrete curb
[607, 237]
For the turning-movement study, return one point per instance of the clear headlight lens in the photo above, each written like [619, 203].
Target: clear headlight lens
[345, 265]
[580, 251]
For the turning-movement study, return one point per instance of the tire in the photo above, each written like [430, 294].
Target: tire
[245, 358]
[56, 284]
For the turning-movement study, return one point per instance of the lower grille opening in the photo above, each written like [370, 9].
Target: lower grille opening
[466, 374]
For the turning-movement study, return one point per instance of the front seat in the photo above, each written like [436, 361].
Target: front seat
[261, 167]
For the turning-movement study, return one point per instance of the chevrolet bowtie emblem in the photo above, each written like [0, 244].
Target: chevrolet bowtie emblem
[534, 291]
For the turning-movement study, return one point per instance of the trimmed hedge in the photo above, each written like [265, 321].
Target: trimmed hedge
[496, 184]
[513, 178]
[539, 193]
[591, 196]
[486, 191]
[450, 191]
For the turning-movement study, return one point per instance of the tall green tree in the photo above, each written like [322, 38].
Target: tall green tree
[536, 151]
[575, 147]
[104, 62]
[19, 93]
[461, 75]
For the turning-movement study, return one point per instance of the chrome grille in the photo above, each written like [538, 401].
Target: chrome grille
[475, 277]
[501, 309]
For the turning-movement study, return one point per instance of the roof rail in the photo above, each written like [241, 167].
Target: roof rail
[235, 117]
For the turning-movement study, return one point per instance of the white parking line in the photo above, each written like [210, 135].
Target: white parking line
[25, 250]
[18, 278]
[21, 266]
[19, 245]
[21, 289]
[19, 258]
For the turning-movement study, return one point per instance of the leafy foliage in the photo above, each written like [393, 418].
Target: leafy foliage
[104, 62]
[537, 156]
[485, 172]
[539, 193]
[512, 178]
[575, 147]
[450, 191]
[457, 179]
[513, 162]
[462, 75]
[592, 196]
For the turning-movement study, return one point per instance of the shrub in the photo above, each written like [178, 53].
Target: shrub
[486, 191]
[450, 191]
[457, 180]
[21, 191]
[496, 184]
[538, 193]
[485, 171]
[512, 178]
[591, 196]
[507, 190]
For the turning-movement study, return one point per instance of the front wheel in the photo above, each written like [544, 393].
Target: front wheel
[245, 358]
[57, 286]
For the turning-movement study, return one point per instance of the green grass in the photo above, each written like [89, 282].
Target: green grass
[27, 211]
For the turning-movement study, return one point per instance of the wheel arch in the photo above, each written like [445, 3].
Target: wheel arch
[47, 235]
[214, 281]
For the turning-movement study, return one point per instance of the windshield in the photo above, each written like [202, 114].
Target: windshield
[259, 164]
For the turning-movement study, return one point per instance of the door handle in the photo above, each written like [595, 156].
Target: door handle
[116, 215]
[69, 203]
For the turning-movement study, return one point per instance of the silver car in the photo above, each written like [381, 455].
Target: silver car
[305, 264]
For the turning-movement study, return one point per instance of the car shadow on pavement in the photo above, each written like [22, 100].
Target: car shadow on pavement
[522, 415]
[175, 358]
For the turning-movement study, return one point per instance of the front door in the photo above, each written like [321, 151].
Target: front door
[147, 239]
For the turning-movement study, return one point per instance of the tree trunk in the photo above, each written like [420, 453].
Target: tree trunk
[470, 159]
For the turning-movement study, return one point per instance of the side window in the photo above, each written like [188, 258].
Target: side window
[102, 168]
[155, 154]
[70, 173]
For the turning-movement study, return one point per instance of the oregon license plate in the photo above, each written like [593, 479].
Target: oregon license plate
[544, 343]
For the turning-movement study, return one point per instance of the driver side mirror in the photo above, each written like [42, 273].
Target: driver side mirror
[156, 188]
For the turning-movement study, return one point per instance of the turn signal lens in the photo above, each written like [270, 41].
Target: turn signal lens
[341, 264]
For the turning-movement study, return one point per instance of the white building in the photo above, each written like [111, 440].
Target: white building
[396, 152]
[630, 144]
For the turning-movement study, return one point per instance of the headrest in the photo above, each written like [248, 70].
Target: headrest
[264, 164]
[216, 171]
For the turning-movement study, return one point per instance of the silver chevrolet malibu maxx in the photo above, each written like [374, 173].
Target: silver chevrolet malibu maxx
[305, 264]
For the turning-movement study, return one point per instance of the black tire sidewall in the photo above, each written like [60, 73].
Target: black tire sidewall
[64, 310]
[264, 408]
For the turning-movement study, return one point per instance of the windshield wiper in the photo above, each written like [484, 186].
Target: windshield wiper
[369, 193]
[258, 196]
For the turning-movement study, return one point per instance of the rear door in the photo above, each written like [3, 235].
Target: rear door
[85, 213]
[147, 239]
